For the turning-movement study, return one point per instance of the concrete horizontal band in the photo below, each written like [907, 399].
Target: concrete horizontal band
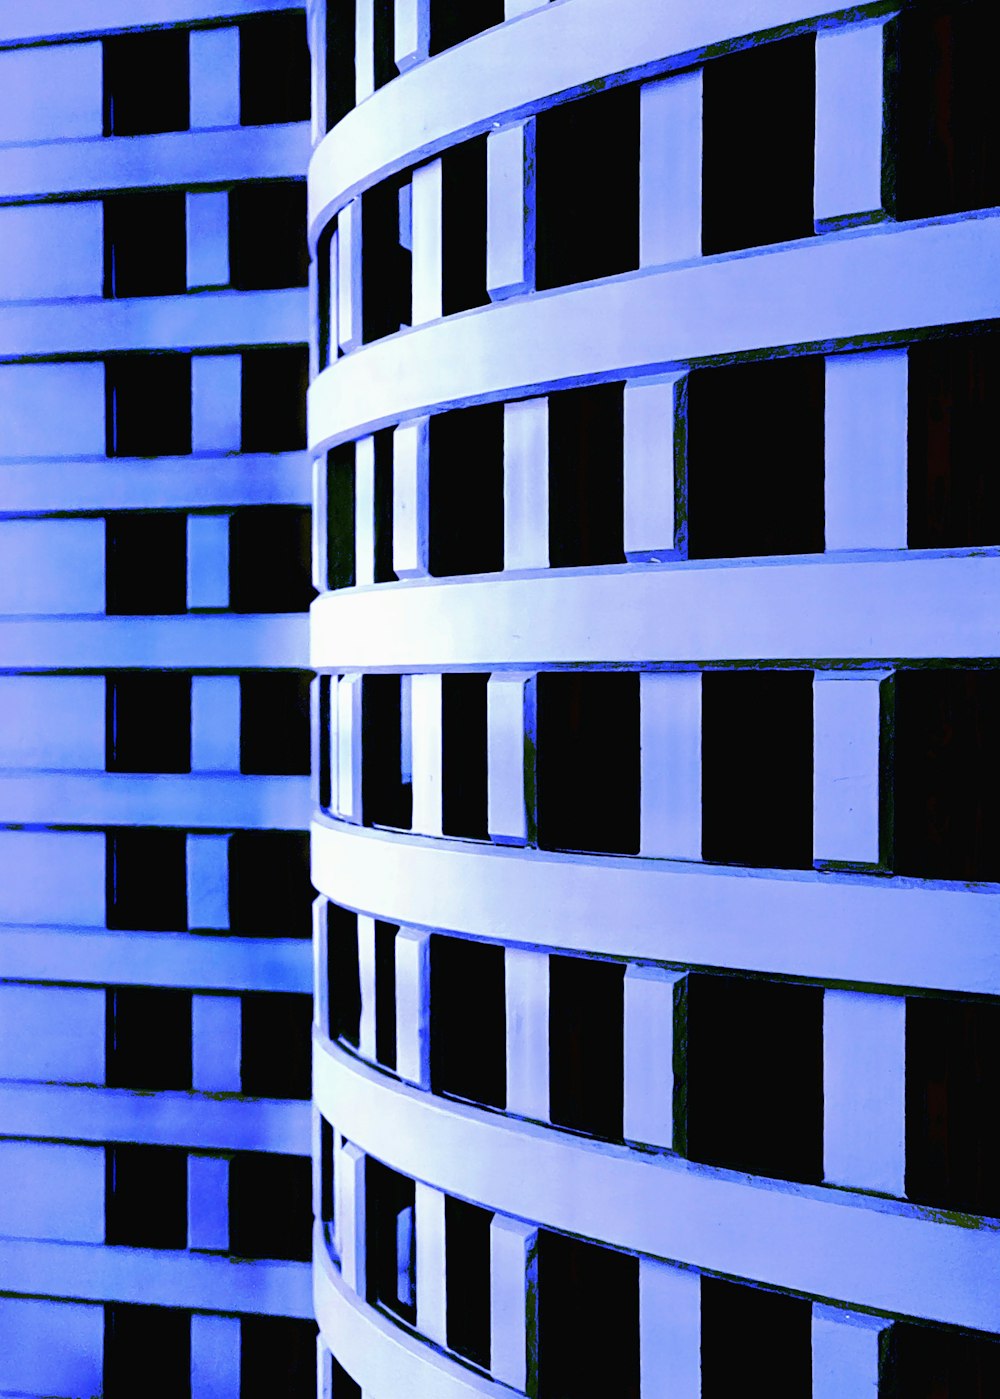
[837, 290]
[219, 642]
[102, 957]
[188, 800]
[382, 1359]
[828, 1244]
[179, 159]
[60, 1112]
[155, 1277]
[831, 927]
[60, 20]
[175, 483]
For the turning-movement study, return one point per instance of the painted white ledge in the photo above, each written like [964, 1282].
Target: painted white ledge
[829, 1244]
[222, 641]
[834, 927]
[203, 961]
[60, 19]
[837, 289]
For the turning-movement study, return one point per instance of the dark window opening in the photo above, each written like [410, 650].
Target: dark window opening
[586, 476]
[147, 879]
[267, 235]
[146, 563]
[340, 512]
[755, 459]
[453, 23]
[929, 1362]
[385, 994]
[953, 492]
[467, 1274]
[952, 1078]
[343, 974]
[148, 721]
[579, 146]
[947, 769]
[463, 756]
[148, 1038]
[148, 405]
[324, 776]
[386, 789]
[465, 530]
[757, 764]
[146, 83]
[344, 1387]
[384, 571]
[132, 1336]
[759, 132]
[587, 1045]
[274, 722]
[276, 1045]
[585, 1290]
[146, 1197]
[327, 330]
[277, 1356]
[463, 226]
[468, 1020]
[386, 286]
[588, 762]
[748, 1333]
[341, 41]
[270, 559]
[269, 890]
[270, 1206]
[145, 244]
[274, 69]
[390, 1240]
[755, 1077]
[384, 42]
[273, 399]
[327, 1180]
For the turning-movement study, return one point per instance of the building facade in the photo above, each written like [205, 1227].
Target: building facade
[658, 1041]
[154, 739]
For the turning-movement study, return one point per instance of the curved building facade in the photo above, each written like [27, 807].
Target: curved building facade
[657, 1038]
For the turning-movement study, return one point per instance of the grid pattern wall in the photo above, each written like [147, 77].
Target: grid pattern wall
[657, 1035]
[154, 728]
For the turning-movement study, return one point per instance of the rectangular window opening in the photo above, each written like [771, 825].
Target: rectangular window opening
[468, 1020]
[145, 244]
[463, 226]
[586, 1290]
[465, 529]
[270, 1206]
[390, 1242]
[270, 559]
[148, 1038]
[586, 476]
[148, 721]
[386, 270]
[464, 756]
[934, 1362]
[278, 1356]
[385, 994]
[147, 879]
[273, 399]
[146, 1196]
[587, 1045]
[386, 789]
[146, 563]
[343, 974]
[148, 404]
[276, 1045]
[274, 69]
[340, 517]
[383, 446]
[269, 890]
[267, 235]
[745, 1331]
[132, 1334]
[274, 722]
[467, 1275]
[341, 41]
[452, 24]
[146, 83]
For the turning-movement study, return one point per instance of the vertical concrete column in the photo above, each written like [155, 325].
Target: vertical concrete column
[426, 753]
[654, 1005]
[411, 498]
[215, 723]
[215, 403]
[349, 234]
[432, 1315]
[207, 237]
[320, 567]
[364, 49]
[349, 1176]
[850, 185]
[349, 747]
[411, 32]
[848, 800]
[208, 881]
[216, 1043]
[208, 1203]
[510, 211]
[669, 1331]
[514, 1303]
[655, 524]
[526, 986]
[413, 1006]
[207, 561]
[670, 764]
[864, 1090]
[510, 758]
[317, 72]
[526, 484]
[865, 450]
[215, 1355]
[321, 984]
[670, 118]
[426, 215]
[364, 511]
[215, 77]
[366, 974]
[849, 1353]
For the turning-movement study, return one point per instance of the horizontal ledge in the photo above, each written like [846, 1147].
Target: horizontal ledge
[828, 1244]
[828, 927]
[221, 641]
[842, 290]
[79, 19]
[110, 957]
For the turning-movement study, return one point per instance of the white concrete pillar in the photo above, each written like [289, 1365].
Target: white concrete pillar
[207, 238]
[426, 753]
[364, 49]
[411, 32]
[215, 403]
[321, 985]
[215, 723]
[316, 20]
[849, 186]
[216, 1043]
[670, 764]
[366, 973]
[207, 561]
[849, 1353]
[864, 1090]
[670, 146]
[669, 1331]
[413, 1000]
[654, 1004]
[208, 1203]
[349, 1177]
[510, 733]
[208, 881]
[349, 747]
[215, 1355]
[514, 1303]
[215, 77]
[526, 990]
[510, 211]
[432, 1312]
[865, 450]
[410, 498]
[847, 801]
[349, 233]
[426, 213]
[364, 511]
[654, 468]
[526, 484]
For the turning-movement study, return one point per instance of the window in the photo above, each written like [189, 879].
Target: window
[385, 993]
[463, 756]
[270, 551]
[148, 723]
[750, 1335]
[145, 244]
[386, 790]
[452, 24]
[930, 1362]
[273, 406]
[269, 890]
[384, 42]
[146, 83]
[270, 1206]
[386, 300]
[274, 722]
[390, 1247]
[267, 235]
[132, 1336]
[343, 974]
[755, 1076]
[146, 1196]
[463, 226]
[277, 1356]
[276, 1045]
[755, 459]
[465, 530]
[467, 1273]
[148, 405]
[341, 30]
[585, 1290]
[586, 476]
[384, 572]
[468, 1020]
[146, 563]
[587, 1045]
[274, 69]
[340, 512]
[148, 1038]
[759, 128]
[147, 878]
[327, 1183]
